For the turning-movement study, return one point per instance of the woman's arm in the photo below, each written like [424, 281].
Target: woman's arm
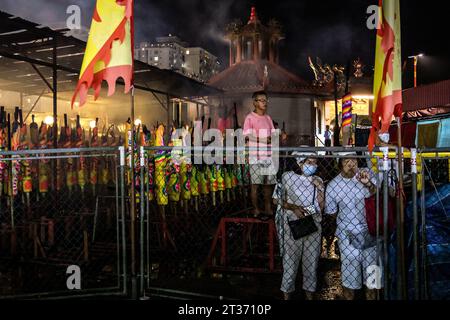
[298, 211]
[321, 199]
[318, 183]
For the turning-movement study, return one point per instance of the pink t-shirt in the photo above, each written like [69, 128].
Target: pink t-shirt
[223, 124]
[259, 126]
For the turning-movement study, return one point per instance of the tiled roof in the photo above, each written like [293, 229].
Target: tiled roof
[249, 76]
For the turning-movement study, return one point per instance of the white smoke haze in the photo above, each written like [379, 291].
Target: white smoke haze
[333, 30]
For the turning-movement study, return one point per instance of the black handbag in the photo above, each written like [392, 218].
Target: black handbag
[304, 226]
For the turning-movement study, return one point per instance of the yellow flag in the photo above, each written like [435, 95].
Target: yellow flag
[109, 49]
[387, 86]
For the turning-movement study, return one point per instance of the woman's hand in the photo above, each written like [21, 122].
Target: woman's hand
[318, 183]
[300, 212]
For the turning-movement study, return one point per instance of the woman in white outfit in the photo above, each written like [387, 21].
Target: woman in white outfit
[298, 190]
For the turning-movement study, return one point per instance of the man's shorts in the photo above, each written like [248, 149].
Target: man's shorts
[263, 172]
[355, 264]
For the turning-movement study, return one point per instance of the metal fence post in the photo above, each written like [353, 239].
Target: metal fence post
[423, 236]
[147, 214]
[141, 226]
[415, 223]
[122, 197]
[377, 209]
[385, 151]
[118, 211]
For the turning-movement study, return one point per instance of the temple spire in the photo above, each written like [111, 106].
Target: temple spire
[253, 16]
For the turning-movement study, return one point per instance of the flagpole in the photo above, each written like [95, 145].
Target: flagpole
[134, 290]
[401, 283]
[133, 203]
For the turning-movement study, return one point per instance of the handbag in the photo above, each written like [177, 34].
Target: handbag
[304, 226]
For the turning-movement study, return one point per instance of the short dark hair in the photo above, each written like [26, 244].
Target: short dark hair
[258, 93]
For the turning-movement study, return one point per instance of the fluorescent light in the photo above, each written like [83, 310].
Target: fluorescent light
[363, 97]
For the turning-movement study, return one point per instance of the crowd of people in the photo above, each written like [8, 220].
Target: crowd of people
[300, 194]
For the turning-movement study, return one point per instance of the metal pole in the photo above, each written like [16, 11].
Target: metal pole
[423, 237]
[385, 220]
[132, 202]
[415, 223]
[34, 105]
[415, 71]
[55, 97]
[141, 238]
[336, 125]
[147, 213]
[169, 117]
[116, 182]
[377, 205]
[401, 270]
[122, 196]
[10, 169]
[55, 121]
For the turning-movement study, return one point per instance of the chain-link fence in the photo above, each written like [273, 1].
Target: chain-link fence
[227, 230]
[428, 218]
[318, 223]
[61, 227]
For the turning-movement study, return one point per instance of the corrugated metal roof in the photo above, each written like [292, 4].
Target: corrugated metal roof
[427, 96]
[23, 42]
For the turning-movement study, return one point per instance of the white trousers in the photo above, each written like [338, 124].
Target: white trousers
[305, 250]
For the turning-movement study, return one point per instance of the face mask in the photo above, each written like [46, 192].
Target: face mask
[309, 169]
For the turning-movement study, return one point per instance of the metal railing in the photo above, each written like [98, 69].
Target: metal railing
[60, 235]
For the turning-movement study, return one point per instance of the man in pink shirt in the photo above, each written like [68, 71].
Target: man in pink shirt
[258, 127]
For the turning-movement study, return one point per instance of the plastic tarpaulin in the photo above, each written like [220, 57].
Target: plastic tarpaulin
[427, 134]
[437, 243]
[444, 134]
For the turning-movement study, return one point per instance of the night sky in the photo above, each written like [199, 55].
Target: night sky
[335, 31]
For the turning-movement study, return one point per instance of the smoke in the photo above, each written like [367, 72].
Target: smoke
[329, 43]
[333, 30]
[201, 23]
[53, 15]
[197, 22]
[38, 11]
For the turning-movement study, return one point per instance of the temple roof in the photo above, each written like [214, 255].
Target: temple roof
[249, 76]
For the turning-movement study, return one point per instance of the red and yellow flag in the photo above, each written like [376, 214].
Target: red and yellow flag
[109, 49]
[388, 77]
